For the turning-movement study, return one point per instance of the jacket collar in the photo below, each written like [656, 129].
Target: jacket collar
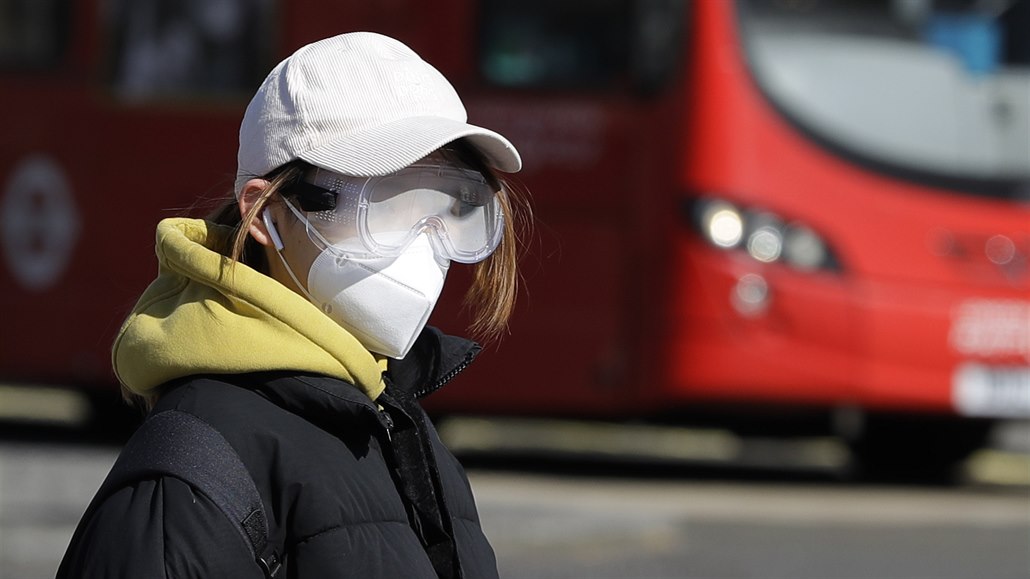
[434, 360]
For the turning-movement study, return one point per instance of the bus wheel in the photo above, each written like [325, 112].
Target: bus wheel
[906, 448]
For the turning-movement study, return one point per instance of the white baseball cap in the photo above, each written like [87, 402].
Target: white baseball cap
[360, 104]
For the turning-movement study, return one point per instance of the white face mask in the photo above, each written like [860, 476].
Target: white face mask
[384, 302]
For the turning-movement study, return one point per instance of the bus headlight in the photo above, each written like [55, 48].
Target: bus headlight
[722, 224]
[763, 235]
[804, 249]
[765, 242]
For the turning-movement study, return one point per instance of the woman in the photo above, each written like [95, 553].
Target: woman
[293, 323]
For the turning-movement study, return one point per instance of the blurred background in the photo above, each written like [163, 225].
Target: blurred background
[775, 310]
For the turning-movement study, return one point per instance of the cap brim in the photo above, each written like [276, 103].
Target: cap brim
[391, 147]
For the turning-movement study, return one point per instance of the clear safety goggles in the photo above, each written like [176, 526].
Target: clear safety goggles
[381, 216]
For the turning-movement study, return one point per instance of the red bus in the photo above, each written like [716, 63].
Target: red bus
[805, 209]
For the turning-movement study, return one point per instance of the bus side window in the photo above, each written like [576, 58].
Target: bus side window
[658, 43]
[188, 48]
[579, 44]
[33, 33]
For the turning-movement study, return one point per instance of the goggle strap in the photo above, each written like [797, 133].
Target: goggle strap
[308, 228]
[311, 197]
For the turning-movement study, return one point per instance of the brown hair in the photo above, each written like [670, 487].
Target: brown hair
[491, 297]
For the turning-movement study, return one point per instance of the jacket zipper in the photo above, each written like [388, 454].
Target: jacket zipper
[387, 422]
[469, 356]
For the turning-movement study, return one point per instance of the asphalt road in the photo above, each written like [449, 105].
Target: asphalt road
[557, 527]
[579, 515]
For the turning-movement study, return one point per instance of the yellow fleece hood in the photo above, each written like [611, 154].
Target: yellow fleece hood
[205, 314]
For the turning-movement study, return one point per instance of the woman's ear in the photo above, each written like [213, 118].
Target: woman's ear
[249, 196]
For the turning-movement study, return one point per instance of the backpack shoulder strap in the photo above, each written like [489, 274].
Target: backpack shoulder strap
[176, 443]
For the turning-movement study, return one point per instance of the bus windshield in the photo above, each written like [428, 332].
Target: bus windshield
[933, 87]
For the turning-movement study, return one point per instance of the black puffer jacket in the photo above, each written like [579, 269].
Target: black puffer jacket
[350, 489]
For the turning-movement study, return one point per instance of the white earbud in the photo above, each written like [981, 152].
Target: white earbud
[278, 242]
[272, 232]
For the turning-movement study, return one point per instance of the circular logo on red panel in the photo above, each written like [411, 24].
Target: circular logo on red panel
[39, 222]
